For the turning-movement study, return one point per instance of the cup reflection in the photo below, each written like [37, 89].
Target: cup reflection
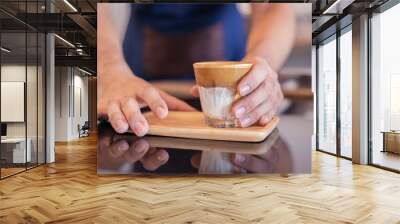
[129, 154]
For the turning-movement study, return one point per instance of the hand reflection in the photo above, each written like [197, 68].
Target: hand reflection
[253, 163]
[275, 160]
[128, 153]
[122, 150]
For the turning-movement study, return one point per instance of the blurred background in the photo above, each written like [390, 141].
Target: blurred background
[295, 75]
[50, 46]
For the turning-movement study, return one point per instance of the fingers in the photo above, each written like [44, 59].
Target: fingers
[154, 159]
[265, 118]
[116, 117]
[261, 104]
[275, 100]
[195, 91]
[119, 148]
[253, 116]
[153, 99]
[254, 78]
[195, 160]
[126, 113]
[250, 102]
[133, 115]
[252, 163]
[137, 150]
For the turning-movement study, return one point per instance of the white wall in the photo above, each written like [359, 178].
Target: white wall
[62, 81]
[70, 83]
[13, 73]
[33, 127]
[80, 102]
[12, 100]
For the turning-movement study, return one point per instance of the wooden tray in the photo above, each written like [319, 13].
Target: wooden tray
[192, 125]
[253, 148]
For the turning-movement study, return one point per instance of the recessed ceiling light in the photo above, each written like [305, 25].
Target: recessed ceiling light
[337, 7]
[84, 71]
[64, 40]
[5, 49]
[70, 5]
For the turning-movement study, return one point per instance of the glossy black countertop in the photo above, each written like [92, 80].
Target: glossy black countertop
[286, 151]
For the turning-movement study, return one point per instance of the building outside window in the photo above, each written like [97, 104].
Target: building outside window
[346, 92]
[385, 89]
[327, 96]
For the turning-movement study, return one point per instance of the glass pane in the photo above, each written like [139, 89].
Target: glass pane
[41, 98]
[23, 88]
[327, 97]
[346, 94]
[31, 98]
[32, 85]
[13, 86]
[385, 85]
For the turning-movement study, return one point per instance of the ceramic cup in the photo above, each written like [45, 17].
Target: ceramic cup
[217, 82]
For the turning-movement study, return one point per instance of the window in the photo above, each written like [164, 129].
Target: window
[346, 93]
[22, 101]
[385, 89]
[327, 96]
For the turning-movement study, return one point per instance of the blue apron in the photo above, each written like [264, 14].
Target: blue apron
[164, 40]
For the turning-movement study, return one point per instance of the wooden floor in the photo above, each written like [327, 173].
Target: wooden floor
[69, 191]
[10, 171]
[387, 159]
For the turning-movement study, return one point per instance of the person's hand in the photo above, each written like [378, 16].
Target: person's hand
[277, 159]
[122, 95]
[119, 150]
[247, 163]
[261, 94]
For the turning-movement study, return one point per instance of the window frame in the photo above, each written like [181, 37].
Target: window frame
[378, 10]
[334, 37]
[27, 29]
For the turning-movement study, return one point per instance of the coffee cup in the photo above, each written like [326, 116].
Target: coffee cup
[217, 83]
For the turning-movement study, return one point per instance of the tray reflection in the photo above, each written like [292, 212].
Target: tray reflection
[129, 154]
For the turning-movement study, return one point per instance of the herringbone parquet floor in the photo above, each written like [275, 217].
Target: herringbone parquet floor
[69, 191]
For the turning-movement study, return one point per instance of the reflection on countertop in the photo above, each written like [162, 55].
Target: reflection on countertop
[283, 152]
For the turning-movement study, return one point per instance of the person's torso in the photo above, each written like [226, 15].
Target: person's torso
[164, 40]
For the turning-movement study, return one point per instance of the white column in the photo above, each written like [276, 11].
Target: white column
[63, 103]
[360, 90]
[50, 99]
